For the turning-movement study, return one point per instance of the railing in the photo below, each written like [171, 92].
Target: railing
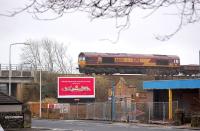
[26, 67]
[27, 70]
[17, 70]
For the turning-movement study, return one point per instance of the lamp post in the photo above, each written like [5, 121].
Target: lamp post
[10, 73]
[40, 113]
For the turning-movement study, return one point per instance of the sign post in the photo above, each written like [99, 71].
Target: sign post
[77, 100]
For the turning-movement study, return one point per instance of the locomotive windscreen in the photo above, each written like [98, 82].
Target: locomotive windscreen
[81, 57]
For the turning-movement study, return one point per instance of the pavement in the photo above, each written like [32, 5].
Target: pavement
[160, 124]
[157, 124]
[167, 125]
[186, 126]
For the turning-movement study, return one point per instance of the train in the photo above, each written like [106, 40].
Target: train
[123, 63]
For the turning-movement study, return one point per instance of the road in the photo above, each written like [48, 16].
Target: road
[75, 125]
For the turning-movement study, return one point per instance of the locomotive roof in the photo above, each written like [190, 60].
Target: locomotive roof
[95, 54]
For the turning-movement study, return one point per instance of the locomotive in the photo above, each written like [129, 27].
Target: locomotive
[110, 63]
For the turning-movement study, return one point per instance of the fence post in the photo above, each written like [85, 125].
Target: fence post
[113, 102]
[48, 111]
[164, 111]
[69, 112]
[77, 111]
[21, 70]
[94, 111]
[149, 112]
[135, 111]
[103, 113]
[87, 111]
[126, 109]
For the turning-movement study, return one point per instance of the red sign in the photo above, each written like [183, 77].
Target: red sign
[76, 87]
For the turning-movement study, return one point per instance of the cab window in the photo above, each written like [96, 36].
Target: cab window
[82, 58]
[176, 61]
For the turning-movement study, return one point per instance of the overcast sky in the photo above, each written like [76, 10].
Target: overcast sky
[81, 34]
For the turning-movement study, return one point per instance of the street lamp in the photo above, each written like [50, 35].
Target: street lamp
[40, 113]
[10, 73]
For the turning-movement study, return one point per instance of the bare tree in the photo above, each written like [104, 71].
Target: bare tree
[63, 61]
[32, 54]
[48, 54]
[187, 10]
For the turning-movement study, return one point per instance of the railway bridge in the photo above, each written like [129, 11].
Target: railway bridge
[20, 75]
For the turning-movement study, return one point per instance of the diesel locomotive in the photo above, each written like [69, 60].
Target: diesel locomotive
[110, 63]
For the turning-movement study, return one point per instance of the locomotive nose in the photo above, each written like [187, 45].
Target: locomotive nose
[81, 60]
[82, 64]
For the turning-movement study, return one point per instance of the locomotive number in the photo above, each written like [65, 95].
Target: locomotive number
[131, 60]
[127, 60]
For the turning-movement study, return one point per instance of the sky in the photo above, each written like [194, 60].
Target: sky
[80, 34]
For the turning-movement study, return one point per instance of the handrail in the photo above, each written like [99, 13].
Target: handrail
[16, 67]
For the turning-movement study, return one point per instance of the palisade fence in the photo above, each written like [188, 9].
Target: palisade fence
[139, 112]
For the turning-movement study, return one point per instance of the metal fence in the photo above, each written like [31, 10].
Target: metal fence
[123, 111]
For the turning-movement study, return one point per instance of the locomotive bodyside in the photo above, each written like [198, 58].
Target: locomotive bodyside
[110, 63]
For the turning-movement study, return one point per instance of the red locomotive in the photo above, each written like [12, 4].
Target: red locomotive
[110, 63]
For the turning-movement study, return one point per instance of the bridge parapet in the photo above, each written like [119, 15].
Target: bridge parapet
[19, 70]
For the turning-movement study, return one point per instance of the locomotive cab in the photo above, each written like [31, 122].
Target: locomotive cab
[176, 62]
[81, 60]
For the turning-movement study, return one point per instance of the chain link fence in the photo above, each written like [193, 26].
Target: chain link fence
[123, 111]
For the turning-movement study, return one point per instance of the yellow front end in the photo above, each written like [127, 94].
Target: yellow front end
[82, 63]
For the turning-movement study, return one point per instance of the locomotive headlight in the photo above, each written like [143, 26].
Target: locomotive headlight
[81, 61]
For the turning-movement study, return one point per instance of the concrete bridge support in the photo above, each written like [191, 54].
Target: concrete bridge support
[19, 91]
